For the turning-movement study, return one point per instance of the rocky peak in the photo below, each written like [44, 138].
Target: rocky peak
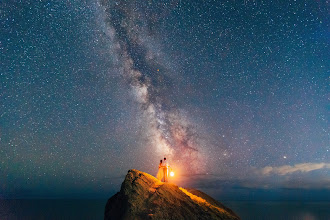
[142, 196]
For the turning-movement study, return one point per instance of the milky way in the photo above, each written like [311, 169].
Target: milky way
[172, 135]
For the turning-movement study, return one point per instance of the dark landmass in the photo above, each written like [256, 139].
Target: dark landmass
[142, 196]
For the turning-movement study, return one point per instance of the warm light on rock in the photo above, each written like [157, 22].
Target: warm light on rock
[149, 198]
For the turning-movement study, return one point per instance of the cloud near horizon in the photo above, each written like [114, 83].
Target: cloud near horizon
[266, 178]
[301, 167]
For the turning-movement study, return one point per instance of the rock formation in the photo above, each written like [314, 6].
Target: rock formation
[142, 196]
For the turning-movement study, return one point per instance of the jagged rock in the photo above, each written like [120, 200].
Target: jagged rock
[142, 196]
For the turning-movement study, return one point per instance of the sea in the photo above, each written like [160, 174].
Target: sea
[94, 209]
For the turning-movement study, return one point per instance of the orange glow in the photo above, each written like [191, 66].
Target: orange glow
[172, 173]
[202, 201]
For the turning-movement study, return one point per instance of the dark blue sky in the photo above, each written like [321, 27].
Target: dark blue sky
[234, 93]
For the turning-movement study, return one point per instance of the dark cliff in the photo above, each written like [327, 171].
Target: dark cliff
[142, 196]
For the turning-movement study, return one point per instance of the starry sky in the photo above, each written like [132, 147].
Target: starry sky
[234, 93]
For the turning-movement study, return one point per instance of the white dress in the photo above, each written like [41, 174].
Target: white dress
[160, 173]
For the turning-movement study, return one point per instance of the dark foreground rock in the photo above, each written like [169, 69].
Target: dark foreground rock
[142, 196]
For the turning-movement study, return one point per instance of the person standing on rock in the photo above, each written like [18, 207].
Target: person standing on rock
[165, 170]
[160, 173]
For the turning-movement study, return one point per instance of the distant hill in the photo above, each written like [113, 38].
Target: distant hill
[142, 196]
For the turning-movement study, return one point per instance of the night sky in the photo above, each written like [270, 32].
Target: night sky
[234, 93]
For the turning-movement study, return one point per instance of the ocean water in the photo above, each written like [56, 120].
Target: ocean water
[94, 209]
[52, 209]
[280, 210]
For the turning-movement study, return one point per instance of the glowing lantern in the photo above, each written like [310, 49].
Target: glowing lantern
[171, 173]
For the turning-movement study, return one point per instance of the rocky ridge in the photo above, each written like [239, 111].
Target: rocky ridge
[142, 196]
